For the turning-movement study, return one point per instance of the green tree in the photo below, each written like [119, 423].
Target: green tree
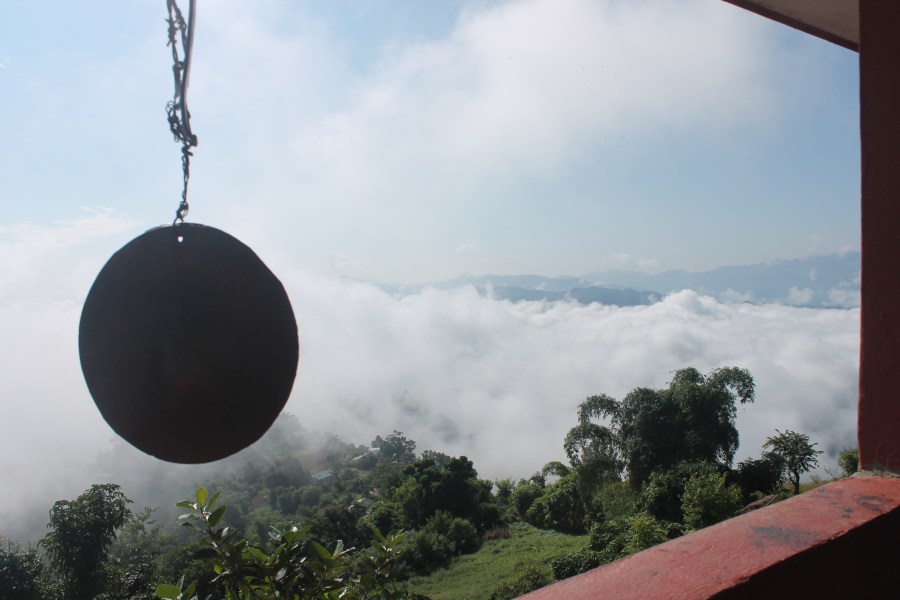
[20, 573]
[593, 448]
[693, 419]
[709, 499]
[661, 496]
[524, 495]
[798, 454]
[426, 488]
[560, 507]
[396, 447]
[848, 461]
[763, 475]
[81, 532]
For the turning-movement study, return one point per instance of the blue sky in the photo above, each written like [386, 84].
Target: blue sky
[410, 141]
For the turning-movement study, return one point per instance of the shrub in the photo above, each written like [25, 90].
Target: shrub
[573, 563]
[622, 536]
[559, 508]
[848, 461]
[530, 579]
[524, 496]
[708, 499]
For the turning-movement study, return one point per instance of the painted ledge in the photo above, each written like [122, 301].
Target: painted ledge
[839, 540]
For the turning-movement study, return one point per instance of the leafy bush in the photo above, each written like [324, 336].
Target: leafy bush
[765, 475]
[20, 572]
[524, 495]
[622, 536]
[559, 508]
[573, 563]
[848, 461]
[289, 566]
[442, 538]
[661, 496]
[530, 579]
[708, 499]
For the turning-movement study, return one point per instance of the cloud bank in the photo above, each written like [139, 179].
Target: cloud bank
[457, 372]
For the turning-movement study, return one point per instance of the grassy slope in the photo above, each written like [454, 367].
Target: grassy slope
[474, 577]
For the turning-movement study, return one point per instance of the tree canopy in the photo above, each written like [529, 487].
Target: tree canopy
[798, 454]
[693, 420]
[81, 532]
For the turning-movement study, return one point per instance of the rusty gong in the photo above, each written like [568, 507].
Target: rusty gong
[188, 344]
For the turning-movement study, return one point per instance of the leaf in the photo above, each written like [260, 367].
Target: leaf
[168, 591]
[216, 516]
[204, 553]
[321, 551]
[184, 504]
[189, 592]
[201, 495]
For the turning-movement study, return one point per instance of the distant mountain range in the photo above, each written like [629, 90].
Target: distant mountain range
[816, 281]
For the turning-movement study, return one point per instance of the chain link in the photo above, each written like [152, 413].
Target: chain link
[179, 117]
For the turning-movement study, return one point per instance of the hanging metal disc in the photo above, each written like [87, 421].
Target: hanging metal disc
[188, 344]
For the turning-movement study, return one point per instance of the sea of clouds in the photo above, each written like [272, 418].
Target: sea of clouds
[453, 370]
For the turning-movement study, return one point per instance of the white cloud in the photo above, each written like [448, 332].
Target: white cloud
[467, 249]
[457, 372]
[847, 297]
[438, 130]
[38, 262]
[731, 295]
[798, 296]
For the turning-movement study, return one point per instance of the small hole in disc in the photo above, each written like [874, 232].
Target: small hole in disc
[189, 353]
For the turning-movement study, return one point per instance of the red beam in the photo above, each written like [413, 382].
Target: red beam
[838, 540]
[879, 389]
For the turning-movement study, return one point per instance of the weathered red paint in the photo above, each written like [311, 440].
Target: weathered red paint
[879, 392]
[837, 539]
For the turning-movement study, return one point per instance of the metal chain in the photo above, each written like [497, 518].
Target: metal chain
[179, 116]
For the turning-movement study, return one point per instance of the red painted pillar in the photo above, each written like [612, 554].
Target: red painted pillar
[879, 373]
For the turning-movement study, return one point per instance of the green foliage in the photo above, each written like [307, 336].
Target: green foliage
[653, 430]
[848, 461]
[573, 563]
[20, 573]
[524, 495]
[135, 556]
[500, 559]
[81, 532]
[288, 566]
[708, 499]
[798, 454]
[691, 420]
[530, 579]
[661, 496]
[443, 537]
[764, 475]
[614, 499]
[620, 537]
[426, 488]
[559, 507]
[594, 449]
[395, 447]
